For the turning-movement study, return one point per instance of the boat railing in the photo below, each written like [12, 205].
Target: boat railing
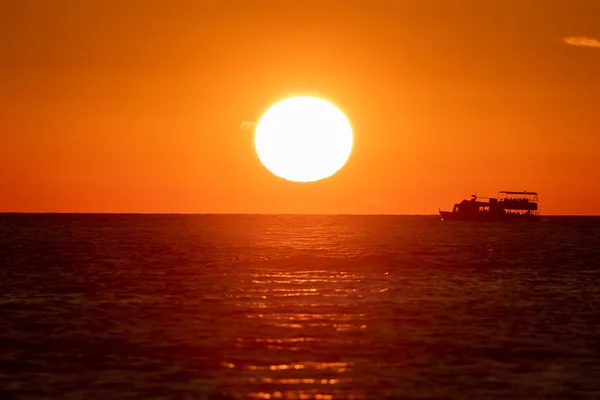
[518, 204]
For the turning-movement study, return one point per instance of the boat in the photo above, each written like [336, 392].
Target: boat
[508, 206]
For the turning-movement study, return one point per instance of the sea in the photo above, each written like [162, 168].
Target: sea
[297, 307]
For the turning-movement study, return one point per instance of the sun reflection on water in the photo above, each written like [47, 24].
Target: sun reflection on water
[294, 331]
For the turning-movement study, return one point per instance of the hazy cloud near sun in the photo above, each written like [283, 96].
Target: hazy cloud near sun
[582, 41]
[248, 125]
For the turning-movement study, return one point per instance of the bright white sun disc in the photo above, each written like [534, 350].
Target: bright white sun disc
[303, 139]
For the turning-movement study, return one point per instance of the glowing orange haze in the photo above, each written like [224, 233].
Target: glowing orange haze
[110, 107]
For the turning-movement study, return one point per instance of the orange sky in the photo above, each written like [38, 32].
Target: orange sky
[110, 106]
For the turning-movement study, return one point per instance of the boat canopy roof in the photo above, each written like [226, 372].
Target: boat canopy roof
[525, 193]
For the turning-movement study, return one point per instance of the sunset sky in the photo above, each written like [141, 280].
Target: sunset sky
[144, 106]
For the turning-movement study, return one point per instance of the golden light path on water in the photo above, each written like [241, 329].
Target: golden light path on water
[297, 326]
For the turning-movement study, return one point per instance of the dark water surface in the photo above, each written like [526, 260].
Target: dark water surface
[298, 307]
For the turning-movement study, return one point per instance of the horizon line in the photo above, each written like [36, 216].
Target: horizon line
[266, 214]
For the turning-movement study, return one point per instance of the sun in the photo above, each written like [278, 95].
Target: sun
[303, 139]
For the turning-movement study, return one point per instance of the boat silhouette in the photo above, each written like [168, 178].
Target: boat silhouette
[508, 206]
